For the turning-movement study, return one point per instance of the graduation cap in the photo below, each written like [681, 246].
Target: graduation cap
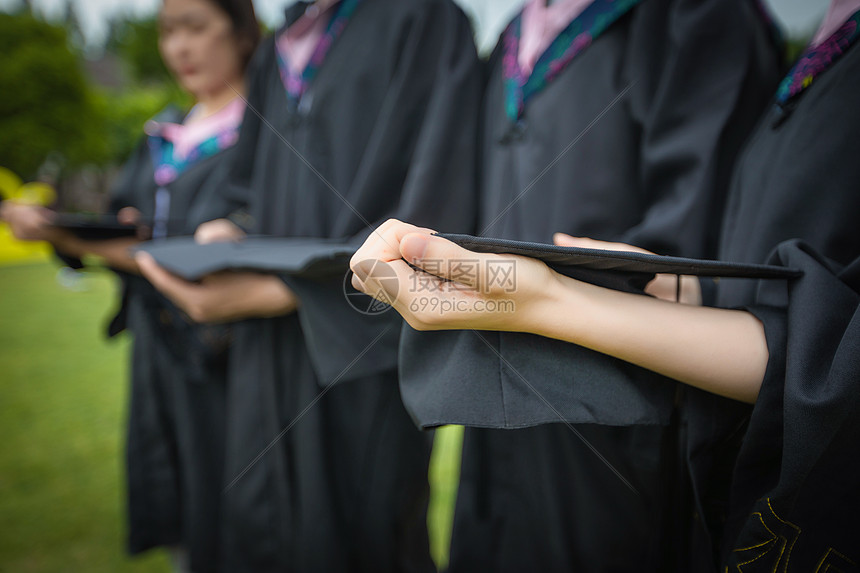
[620, 270]
[91, 226]
[515, 380]
[299, 256]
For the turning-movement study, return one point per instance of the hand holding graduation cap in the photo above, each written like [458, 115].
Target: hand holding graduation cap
[28, 222]
[222, 297]
[35, 223]
[721, 351]
[431, 301]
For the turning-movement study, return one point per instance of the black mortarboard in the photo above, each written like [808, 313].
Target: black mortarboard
[621, 270]
[306, 257]
[93, 226]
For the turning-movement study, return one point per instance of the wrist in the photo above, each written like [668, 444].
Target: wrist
[67, 243]
[279, 298]
[268, 297]
[551, 312]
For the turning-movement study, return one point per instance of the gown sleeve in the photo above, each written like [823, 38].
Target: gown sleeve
[795, 482]
[134, 176]
[716, 75]
[126, 192]
[123, 193]
[419, 166]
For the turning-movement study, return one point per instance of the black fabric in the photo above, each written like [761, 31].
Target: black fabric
[309, 258]
[489, 380]
[795, 495]
[795, 179]
[386, 128]
[176, 426]
[176, 418]
[515, 528]
[690, 79]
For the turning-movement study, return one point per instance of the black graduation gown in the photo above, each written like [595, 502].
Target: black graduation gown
[795, 179]
[386, 128]
[795, 495]
[651, 171]
[175, 441]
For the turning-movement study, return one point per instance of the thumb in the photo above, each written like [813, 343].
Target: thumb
[442, 258]
[152, 271]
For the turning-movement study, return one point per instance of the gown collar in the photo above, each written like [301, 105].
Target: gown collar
[175, 146]
[541, 24]
[594, 19]
[298, 67]
[818, 58]
[837, 14]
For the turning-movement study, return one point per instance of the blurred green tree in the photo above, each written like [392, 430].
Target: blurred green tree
[47, 105]
[53, 111]
[136, 42]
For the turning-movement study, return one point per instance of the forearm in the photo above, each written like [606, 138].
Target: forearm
[717, 350]
[265, 297]
[720, 351]
[115, 252]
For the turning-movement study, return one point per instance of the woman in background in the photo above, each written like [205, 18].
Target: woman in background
[359, 110]
[175, 439]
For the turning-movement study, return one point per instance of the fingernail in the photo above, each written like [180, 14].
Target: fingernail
[414, 247]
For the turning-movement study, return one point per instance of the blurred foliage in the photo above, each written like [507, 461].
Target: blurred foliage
[136, 42]
[124, 113]
[51, 109]
[47, 104]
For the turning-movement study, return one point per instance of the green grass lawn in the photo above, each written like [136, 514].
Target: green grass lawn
[63, 392]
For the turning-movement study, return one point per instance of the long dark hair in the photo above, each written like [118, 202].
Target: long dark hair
[245, 25]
